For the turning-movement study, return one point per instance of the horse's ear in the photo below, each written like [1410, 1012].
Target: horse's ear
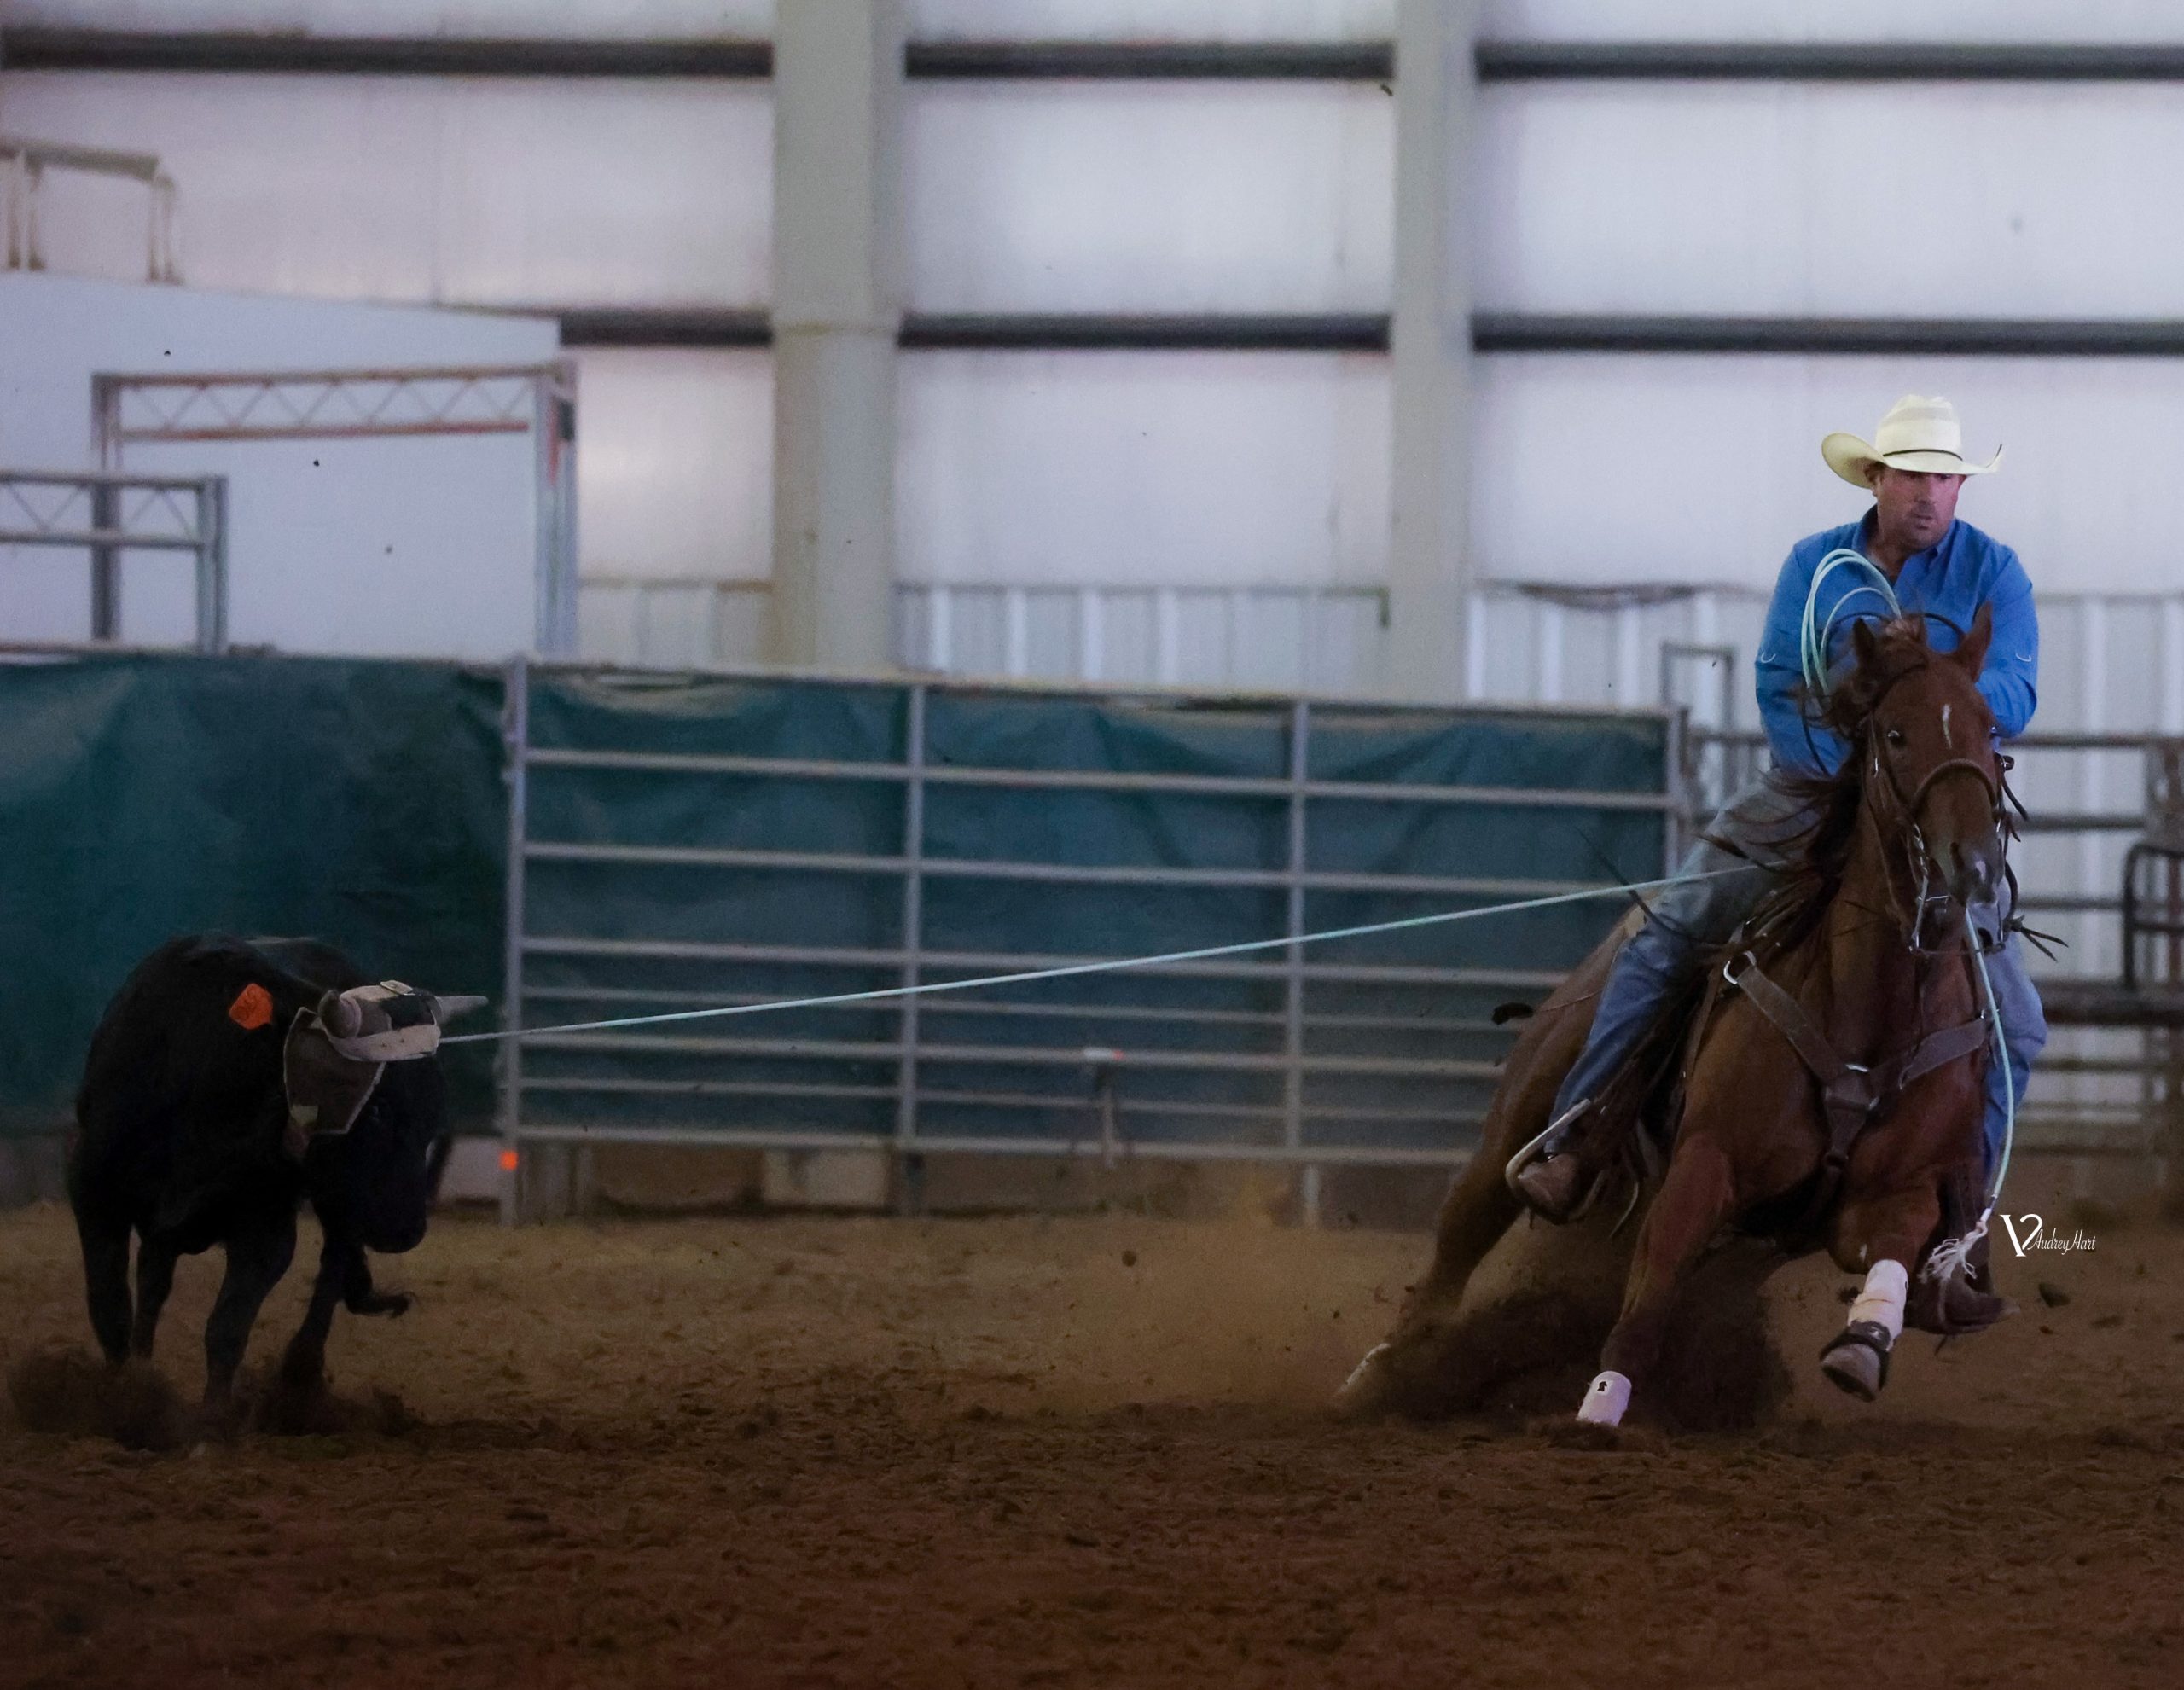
[1971, 650]
[1863, 644]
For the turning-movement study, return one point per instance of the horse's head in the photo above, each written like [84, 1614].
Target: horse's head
[1928, 758]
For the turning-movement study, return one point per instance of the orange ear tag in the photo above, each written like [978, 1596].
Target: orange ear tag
[252, 1007]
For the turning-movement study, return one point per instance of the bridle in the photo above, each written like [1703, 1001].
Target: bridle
[1907, 810]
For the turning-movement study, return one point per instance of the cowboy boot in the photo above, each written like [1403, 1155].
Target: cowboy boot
[1555, 1184]
[1962, 1304]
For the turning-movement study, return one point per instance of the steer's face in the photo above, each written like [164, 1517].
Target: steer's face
[378, 1180]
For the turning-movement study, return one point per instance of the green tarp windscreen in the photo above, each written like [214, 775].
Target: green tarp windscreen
[358, 802]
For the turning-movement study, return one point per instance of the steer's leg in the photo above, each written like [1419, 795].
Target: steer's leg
[1695, 1197]
[105, 1282]
[360, 1298]
[1883, 1235]
[155, 1260]
[304, 1364]
[256, 1260]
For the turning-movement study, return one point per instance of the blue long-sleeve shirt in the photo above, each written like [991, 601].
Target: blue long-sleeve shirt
[1951, 579]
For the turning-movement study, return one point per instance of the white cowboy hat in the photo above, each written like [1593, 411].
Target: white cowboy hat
[1917, 433]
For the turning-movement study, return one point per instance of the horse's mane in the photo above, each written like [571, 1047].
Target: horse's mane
[1817, 856]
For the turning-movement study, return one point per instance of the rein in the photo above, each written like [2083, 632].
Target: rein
[1919, 859]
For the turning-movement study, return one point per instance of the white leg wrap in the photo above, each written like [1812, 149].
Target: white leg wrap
[1605, 1398]
[1881, 1302]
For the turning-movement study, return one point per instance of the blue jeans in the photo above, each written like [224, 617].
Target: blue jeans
[1693, 916]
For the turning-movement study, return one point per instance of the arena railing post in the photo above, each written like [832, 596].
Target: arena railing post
[516, 719]
[911, 1193]
[1293, 1075]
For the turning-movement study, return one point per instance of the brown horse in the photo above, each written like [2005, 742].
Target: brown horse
[1856, 974]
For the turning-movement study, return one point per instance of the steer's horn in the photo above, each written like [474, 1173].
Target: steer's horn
[447, 1008]
[340, 1016]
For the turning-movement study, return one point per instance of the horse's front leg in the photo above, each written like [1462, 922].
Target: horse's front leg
[1697, 1196]
[1883, 1235]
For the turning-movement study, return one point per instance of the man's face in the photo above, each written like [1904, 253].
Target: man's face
[1914, 509]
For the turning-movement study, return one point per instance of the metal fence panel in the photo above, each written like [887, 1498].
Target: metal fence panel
[742, 838]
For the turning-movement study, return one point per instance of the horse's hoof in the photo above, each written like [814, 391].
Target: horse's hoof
[1362, 1391]
[1857, 1361]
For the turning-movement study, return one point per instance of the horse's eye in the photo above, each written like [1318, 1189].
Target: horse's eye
[1894, 736]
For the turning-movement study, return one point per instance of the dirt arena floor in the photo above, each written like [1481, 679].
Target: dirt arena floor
[1077, 1451]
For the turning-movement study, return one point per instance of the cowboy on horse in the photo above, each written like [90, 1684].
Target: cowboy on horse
[1919, 561]
[1787, 1046]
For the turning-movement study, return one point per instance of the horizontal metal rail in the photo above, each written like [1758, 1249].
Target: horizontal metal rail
[1139, 1149]
[1143, 331]
[1065, 874]
[693, 950]
[1502, 61]
[972, 1006]
[1235, 702]
[104, 478]
[1507, 331]
[118, 538]
[1269, 1112]
[849, 1050]
[280, 53]
[1088, 780]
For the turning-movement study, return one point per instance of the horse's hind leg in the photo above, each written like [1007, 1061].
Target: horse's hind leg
[1476, 1212]
[1407, 1363]
[1695, 1197]
[1884, 1236]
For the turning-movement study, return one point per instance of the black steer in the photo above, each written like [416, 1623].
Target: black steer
[185, 1136]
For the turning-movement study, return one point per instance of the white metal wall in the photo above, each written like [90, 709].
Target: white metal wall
[1100, 197]
[441, 190]
[1188, 469]
[1754, 198]
[334, 545]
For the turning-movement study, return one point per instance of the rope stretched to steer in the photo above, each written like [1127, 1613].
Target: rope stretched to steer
[1107, 966]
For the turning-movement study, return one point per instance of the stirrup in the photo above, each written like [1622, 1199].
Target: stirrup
[1525, 1154]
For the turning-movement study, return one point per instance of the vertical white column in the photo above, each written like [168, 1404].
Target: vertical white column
[838, 74]
[1428, 563]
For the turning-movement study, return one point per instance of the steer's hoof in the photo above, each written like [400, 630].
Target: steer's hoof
[1858, 1360]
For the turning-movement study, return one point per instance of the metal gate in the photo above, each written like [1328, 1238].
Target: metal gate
[736, 839]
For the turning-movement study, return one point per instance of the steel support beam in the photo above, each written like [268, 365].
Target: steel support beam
[1429, 565]
[201, 52]
[1151, 60]
[837, 312]
[1827, 61]
[1836, 337]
